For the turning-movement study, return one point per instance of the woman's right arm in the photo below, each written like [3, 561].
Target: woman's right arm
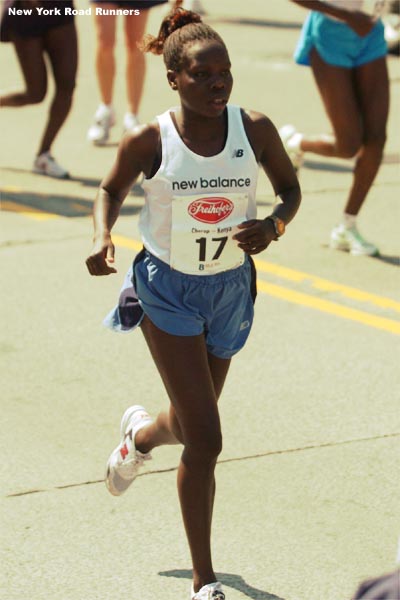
[360, 22]
[136, 154]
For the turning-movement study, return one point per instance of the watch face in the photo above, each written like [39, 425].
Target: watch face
[279, 226]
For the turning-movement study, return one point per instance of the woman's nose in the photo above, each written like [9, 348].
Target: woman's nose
[217, 83]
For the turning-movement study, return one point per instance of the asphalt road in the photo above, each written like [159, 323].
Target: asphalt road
[307, 485]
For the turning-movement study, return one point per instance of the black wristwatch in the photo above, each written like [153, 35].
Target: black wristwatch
[278, 224]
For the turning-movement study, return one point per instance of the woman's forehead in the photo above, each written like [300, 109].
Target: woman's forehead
[204, 51]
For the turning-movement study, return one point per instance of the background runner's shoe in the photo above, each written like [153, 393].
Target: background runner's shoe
[104, 119]
[130, 121]
[46, 165]
[194, 5]
[211, 591]
[291, 141]
[125, 461]
[350, 240]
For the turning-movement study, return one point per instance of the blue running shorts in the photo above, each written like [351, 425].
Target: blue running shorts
[220, 305]
[337, 44]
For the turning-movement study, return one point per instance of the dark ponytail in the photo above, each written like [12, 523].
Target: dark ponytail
[178, 28]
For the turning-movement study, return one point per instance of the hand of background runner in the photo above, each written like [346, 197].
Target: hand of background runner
[101, 255]
[256, 236]
[360, 22]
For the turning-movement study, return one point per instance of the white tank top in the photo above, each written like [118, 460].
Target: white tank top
[194, 203]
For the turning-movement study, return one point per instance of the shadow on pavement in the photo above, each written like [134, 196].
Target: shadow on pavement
[228, 579]
[85, 181]
[254, 22]
[328, 165]
[390, 260]
[385, 258]
[57, 204]
[318, 165]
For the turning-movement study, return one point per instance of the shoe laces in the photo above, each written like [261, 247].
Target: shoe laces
[358, 237]
[130, 465]
[48, 163]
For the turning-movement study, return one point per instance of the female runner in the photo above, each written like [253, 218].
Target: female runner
[34, 35]
[346, 49]
[194, 276]
[106, 26]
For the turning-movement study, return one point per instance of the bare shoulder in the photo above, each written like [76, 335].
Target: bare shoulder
[142, 138]
[140, 146]
[256, 119]
[259, 129]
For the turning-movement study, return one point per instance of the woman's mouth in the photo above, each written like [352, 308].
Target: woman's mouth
[218, 102]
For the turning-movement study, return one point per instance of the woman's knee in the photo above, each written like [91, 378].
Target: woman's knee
[175, 426]
[65, 87]
[204, 448]
[133, 51]
[376, 141]
[35, 95]
[348, 147]
[351, 146]
[106, 35]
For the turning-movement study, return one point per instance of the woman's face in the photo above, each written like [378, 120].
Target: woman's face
[204, 82]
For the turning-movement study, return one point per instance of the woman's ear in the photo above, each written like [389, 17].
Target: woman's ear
[171, 76]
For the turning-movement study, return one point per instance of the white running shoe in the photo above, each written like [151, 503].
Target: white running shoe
[130, 121]
[350, 240]
[291, 140]
[104, 119]
[211, 591]
[125, 461]
[194, 5]
[45, 164]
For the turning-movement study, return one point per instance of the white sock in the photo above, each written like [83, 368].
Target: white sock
[130, 120]
[349, 221]
[103, 110]
[131, 115]
[294, 142]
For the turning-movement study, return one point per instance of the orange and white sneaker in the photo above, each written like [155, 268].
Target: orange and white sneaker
[211, 591]
[125, 461]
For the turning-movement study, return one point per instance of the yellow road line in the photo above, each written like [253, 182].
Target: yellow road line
[326, 285]
[27, 211]
[306, 300]
[124, 242]
[275, 290]
[329, 307]
[264, 266]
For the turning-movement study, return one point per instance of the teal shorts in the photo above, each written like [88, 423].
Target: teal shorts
[337, 44]
[219, 306]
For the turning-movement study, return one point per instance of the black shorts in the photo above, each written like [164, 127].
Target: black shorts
[33, 25]
[140, 4]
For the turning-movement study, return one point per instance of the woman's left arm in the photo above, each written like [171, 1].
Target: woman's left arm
[257, 234]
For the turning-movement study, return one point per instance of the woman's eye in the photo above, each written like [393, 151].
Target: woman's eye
[200, 74]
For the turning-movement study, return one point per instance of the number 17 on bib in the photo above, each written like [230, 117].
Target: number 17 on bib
[202, 233]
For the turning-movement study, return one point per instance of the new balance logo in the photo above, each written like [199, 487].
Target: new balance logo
[238, 153]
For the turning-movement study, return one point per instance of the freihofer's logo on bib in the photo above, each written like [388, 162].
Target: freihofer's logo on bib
[210, 210]
[202, 233]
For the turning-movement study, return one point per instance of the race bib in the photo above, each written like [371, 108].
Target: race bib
[202, 233]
